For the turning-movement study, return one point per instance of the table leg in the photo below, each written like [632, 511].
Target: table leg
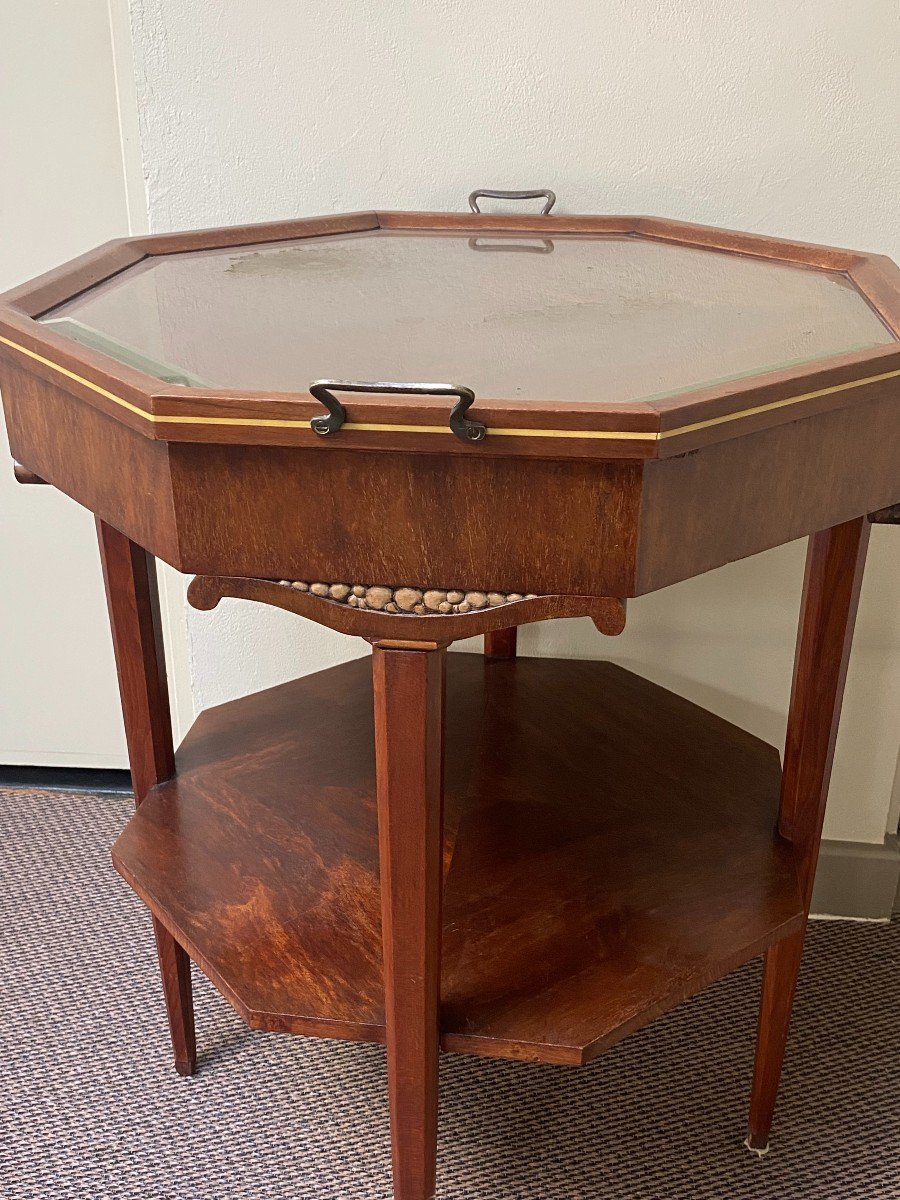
[409, 720]
[133, 601]
[834, 569]
[501, 643]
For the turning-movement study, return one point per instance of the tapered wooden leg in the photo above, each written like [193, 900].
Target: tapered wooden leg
[501, 643]
[175, 969]
[834, 569]
[409, 718]
[133, 600]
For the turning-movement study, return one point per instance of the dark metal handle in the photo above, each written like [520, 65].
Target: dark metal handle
[493, 194]
[323, 389]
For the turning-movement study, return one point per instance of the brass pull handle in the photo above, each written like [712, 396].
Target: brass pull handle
[324, 389]
[493, 194]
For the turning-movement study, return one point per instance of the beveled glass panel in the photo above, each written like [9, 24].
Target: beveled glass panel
[576, 318]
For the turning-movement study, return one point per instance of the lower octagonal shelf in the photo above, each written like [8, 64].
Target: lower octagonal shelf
[609, 851]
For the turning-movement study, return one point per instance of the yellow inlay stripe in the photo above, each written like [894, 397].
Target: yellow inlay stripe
[500, 431]
[494, 431]
[761, 408]
[95, 387]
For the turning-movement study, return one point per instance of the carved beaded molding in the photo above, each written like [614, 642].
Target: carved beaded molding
[408, 601]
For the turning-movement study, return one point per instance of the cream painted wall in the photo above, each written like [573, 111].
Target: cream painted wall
[778, 117]
[63, 192]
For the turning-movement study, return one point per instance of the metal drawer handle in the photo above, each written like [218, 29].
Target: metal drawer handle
[324, 389]
[493, 194]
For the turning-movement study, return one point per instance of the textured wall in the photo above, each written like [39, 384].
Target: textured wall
[62, 192]
[778, 117]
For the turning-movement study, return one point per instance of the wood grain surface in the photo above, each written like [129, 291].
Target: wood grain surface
[564, 527]
[590, 884]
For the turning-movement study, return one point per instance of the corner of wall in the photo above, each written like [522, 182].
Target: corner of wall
[129, 116]
[171, 587]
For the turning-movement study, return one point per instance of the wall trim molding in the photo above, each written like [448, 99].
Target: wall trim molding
[858, 879]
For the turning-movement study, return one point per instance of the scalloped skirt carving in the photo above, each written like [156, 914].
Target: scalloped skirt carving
[378, 611]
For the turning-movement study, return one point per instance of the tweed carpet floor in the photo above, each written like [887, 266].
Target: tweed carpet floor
[90, 1108]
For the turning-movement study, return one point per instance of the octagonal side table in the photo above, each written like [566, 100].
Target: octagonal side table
[537, 416]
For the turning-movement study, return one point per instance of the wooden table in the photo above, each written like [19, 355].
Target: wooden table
[526, 859]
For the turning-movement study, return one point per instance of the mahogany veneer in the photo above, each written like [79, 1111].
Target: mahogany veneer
[589, 886]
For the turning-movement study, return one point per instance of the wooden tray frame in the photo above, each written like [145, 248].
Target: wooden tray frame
[660, 428]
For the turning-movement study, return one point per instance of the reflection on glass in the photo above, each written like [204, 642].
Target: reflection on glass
[601, 319]
[512, 245]
[79, 332]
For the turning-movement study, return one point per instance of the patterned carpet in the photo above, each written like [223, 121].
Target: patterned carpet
[90, 1108]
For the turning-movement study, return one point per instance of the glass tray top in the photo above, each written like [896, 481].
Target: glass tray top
[600, 319]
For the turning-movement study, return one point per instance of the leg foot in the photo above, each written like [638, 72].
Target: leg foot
[759, 1151]
[779, 984]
